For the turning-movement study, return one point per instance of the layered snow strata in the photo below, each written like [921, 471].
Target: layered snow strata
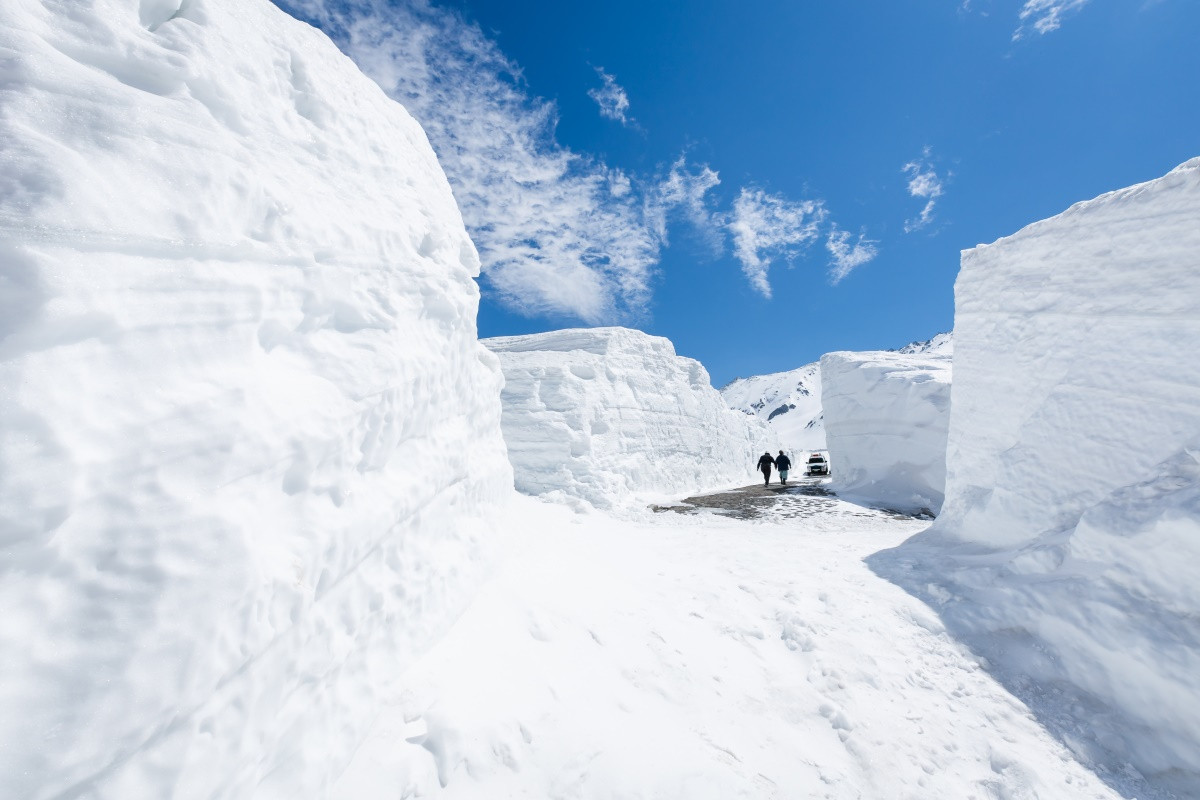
[604, 414]
[789, 402]
[1068, 546]
[886, 417]
[247, 434]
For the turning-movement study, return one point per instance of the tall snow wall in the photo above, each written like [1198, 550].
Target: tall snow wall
[886, 420]
[247, 433]
[1068, 547]
[604, 414]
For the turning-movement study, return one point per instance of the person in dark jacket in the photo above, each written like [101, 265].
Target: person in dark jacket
[783, 464]
[764, 464]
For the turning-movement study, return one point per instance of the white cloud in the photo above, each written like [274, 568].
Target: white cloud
[924, 184]
[768, 227]
[558, 233]
[1043, 16]
[685, 190]
[846, 255]
[611, 98]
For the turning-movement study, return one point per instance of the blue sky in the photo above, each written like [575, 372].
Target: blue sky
[765, 182]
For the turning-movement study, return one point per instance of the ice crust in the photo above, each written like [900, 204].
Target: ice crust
[886, 420]
[1068, 544]
[789, 402]
[609, 414]
[247, 433]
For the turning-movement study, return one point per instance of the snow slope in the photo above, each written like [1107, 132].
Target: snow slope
[789, 402]
[604, 414]
[247, 434]
[886, 417]
[1068, 544]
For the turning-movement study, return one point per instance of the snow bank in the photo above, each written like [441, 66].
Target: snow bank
[1068, 545]
[246, 429]
[789, 402]
[606, 413]
[886, 415]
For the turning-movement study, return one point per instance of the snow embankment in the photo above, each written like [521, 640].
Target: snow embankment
[605, 414]
[789, 402]
[1068, 545]
[886, 415]
[247, 434]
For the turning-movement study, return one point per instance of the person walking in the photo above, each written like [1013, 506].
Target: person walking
[765, 462]
[783, 464]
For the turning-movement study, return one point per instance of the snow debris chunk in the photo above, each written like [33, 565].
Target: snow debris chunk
[613, 415]
[248, 438]
[1068, 540]
[886, 420]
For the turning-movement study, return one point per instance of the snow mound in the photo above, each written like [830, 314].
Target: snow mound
[886, 417]
[606, 414]
[789, 402]
[1067, 549]
[247, 434]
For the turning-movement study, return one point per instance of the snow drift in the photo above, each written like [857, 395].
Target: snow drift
[240, 390]
[789, 402]
[886, 416]
[603, 414]
[1068, 544]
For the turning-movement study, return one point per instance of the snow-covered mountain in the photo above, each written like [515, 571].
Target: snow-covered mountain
[789, 402]
[249, 443]
[1067, 547]
[607, 414]
[940, 345]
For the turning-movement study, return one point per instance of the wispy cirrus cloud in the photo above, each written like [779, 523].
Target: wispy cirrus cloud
[558, 232]
[770, 227]
[686, 190]
[846, 252]
[611, 98]
[924, 183]
[1043, 16]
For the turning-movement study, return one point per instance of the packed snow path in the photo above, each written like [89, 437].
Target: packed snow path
[801, 498]
[698, 656]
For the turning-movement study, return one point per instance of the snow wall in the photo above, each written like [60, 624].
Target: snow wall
[1068, 547]
[247, 432]
[604, 414]
[886, 417]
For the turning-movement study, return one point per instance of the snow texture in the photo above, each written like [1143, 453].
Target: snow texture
[1068, 546]
[607, 414]
[886, 418]
[789, 402]
[247, 433]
